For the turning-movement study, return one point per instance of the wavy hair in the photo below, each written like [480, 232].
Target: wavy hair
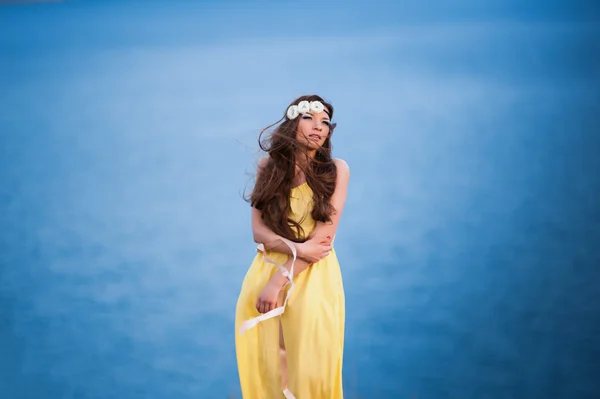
[271, 193]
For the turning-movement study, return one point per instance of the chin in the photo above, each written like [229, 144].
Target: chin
[311, 145]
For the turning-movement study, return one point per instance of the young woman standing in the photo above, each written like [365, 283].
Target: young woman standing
[290, 312]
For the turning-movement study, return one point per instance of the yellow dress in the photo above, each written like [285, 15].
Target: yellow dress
[312, 323]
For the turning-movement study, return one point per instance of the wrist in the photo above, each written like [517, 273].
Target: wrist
[300, 250]
[278, 279]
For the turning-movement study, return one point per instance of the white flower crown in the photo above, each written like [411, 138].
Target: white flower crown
[304, 107]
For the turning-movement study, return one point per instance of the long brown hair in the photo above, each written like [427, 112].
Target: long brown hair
[271, 193]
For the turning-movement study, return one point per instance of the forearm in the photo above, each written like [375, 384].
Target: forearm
[299, 266]
[274, 242]
[271, 241]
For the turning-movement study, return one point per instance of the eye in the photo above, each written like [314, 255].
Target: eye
[327, 123]
[306, 117]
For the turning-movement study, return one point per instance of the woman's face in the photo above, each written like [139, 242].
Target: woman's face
[313, 129]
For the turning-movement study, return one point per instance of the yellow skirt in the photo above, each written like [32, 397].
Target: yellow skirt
[313, 331]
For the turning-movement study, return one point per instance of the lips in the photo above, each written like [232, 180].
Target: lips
[314, 137]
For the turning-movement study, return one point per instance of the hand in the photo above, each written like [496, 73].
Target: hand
[314, 249]
[268, 297]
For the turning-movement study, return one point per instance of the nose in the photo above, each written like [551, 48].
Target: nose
[317, 126]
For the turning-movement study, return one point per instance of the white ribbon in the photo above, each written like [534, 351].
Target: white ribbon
[248, 324]
[288, 394]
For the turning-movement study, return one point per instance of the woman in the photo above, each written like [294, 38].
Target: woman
[297, 203]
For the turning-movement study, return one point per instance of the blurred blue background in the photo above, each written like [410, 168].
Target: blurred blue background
[469, 243]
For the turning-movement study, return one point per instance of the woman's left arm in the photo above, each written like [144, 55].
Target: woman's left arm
[327, 230]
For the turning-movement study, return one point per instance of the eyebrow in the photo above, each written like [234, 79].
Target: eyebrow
[328, 116]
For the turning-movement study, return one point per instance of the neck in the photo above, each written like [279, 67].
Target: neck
[303, 159]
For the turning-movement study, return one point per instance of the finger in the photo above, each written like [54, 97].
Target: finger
[258, 307]
[266, 307]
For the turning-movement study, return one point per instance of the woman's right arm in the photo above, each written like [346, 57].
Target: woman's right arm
[263, 235]
[310, 250]
[260, 232]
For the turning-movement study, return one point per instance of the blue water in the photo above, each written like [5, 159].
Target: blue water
[469, 240]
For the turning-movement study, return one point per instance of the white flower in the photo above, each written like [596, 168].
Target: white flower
[292, 112]
[303, 107]
[316, 107]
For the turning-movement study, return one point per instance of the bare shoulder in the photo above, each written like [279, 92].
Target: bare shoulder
[342, 166]
[262, 163]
